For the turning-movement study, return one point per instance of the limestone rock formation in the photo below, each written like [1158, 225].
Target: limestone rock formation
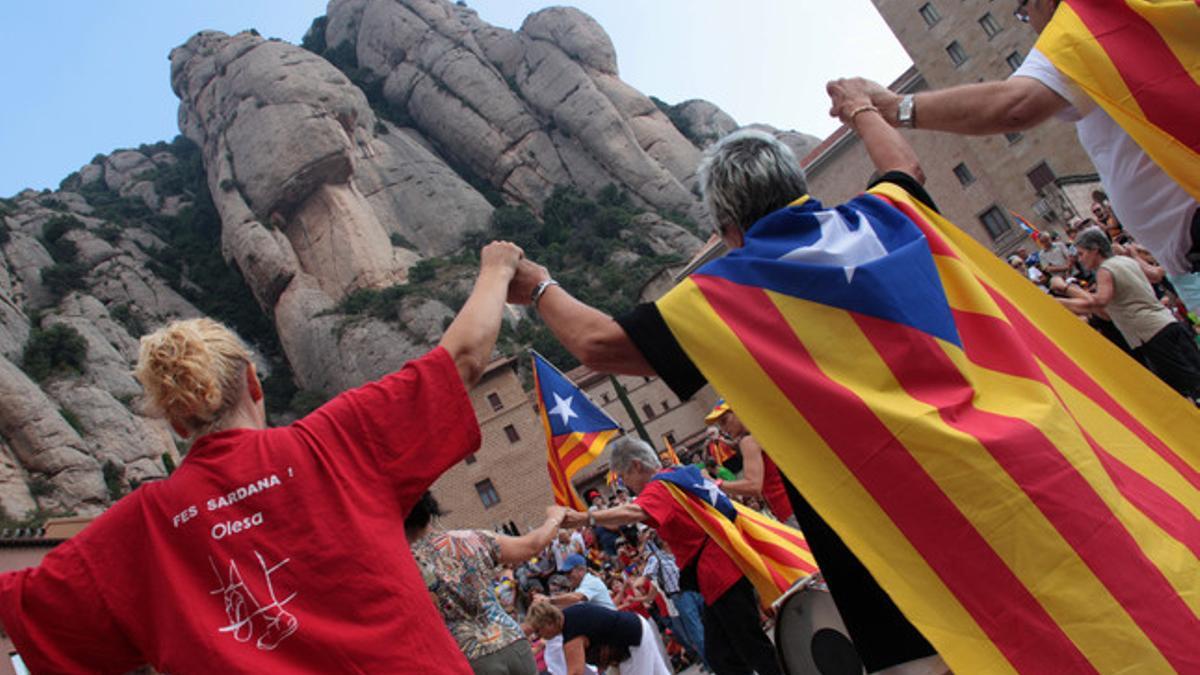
[325, 202]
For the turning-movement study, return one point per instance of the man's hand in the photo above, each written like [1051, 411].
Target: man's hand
[528, 275]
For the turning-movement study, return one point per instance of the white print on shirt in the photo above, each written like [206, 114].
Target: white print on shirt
[244, 491]
[233, 497]
[246, 614]
[224, 529]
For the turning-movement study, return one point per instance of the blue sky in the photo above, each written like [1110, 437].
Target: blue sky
[81, 77]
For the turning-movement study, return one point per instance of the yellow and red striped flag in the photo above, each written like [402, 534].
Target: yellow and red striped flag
[772, 555]
[672, 456]
[576, 429]
[1026, 493]
[720, 451]
[1140, 61]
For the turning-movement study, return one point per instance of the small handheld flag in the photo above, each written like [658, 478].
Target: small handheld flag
[576, 429]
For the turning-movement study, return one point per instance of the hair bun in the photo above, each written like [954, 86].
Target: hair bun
[190, 370]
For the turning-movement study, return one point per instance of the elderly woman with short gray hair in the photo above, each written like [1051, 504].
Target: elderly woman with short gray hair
[1123, 292]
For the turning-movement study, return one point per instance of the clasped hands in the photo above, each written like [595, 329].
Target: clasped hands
[523, 274]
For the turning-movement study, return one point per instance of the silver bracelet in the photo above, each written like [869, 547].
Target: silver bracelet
[540, 290]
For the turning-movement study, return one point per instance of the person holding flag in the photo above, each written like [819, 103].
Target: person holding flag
[1127, 73]
[760, 476]
[676, 503]
[576, 429]
[1024, 493]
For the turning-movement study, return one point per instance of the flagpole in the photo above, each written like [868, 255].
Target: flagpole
[637, 421]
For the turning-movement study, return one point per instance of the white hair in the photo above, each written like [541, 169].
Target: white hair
[627, 449]
[747, 175]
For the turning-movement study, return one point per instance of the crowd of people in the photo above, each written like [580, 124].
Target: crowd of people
[1101, 273]
[281, 550]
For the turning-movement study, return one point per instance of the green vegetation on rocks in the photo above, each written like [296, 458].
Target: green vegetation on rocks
[57, 350]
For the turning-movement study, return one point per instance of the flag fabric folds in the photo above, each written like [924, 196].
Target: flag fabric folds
[1026, 493]
[720, 451]
[576, 429]
[772, 555]
[1140, 61]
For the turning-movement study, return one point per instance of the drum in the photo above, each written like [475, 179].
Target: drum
[810, 637]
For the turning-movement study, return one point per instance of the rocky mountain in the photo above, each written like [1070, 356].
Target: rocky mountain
[326, 200]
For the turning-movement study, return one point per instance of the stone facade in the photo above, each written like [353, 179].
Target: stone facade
[999, 171]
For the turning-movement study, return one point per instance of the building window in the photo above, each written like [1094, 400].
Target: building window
[666, 407]
[648, 411]
[512, 434]
[964, 175]
[487, 493]
[990, 25]
[1041, 176]
[958, 55]
[604, 397]
[670, 436]
[1014, 60]
[471, 458]
[995, 221]
[494, 400]
[930, 14]
[1013, 137]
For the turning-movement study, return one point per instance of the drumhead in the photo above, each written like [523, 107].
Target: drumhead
[811, 639]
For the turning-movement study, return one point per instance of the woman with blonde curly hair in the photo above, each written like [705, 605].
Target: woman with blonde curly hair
[269, 549]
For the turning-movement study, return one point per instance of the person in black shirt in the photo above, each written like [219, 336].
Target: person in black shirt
[746, 177]
[602, 637]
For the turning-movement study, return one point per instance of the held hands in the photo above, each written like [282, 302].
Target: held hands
[528, 275]
[848, 95]
[557, 514]
[500, 256]
[575, 519]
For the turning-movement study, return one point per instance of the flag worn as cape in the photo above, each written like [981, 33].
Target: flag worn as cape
[772, 555]
[1140, 61]
[1025, 492]
[576, 429]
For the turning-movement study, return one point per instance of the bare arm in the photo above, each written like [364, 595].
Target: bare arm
[516, 550]
[561, 600]
[471, 337]
[1104, 289]
[590, 335]
[575, 653]
[625, 514]
[1006, 106]
[751, 482]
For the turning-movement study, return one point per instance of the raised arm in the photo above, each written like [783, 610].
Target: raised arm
[1006, 106]
[516, 550]
[471, 337]
[590, 335]
[851, 103]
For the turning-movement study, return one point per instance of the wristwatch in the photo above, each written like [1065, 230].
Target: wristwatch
[539, 290]
[906, 114]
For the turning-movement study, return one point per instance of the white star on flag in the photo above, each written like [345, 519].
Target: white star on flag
[839, 245]
[562, 408]
[714, 492]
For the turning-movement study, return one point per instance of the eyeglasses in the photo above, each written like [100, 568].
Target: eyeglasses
[1021, 13]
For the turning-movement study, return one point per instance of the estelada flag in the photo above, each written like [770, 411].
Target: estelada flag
[772, 555]
[1140, 61]
[576, 429]
[1025, 492]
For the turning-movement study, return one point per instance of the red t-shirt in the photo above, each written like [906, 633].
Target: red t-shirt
[715, 570]
[278, 550]
[773, 490]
